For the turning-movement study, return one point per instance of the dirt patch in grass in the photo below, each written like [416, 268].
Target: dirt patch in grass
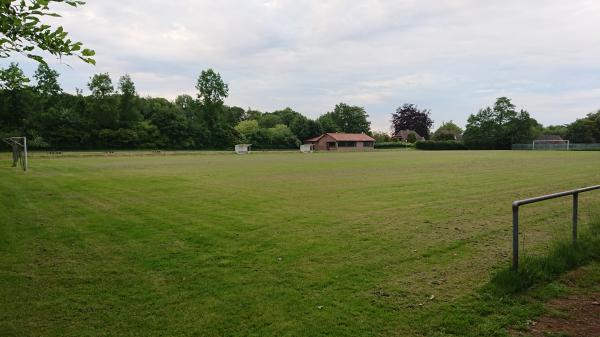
[574, 315]
[581, 317]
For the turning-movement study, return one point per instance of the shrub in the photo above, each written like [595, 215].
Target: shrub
[440, 145]
[411, 138]
[393, 145]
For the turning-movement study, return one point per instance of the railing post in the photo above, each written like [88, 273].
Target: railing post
[575, 206]
[515, 210]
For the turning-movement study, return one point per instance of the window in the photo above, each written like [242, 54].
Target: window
[347, 144]
[368, 144]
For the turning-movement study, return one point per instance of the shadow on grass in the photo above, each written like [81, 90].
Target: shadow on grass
[513, 297]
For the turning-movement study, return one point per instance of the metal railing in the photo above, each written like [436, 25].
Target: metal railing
[518, 203]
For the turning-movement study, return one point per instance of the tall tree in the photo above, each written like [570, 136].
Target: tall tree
[23, 31]
[409, 117]
[499, 127]
[448, 131]
[104, 109]
[212, 90]
[13, 78]
[101, 85]
[346, 118]
[47, 81]
[129, 112]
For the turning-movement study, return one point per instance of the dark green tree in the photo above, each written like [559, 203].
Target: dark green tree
[129, 112]
[448, 131]
[346, 118]
[47, 81]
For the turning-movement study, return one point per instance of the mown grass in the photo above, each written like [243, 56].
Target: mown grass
[513, 298]
[273, 244]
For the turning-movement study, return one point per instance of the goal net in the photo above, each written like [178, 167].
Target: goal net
[551, 145]
[19, 151]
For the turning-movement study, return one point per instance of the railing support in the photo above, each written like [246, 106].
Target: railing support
[518, 203]
[575, 206]
[515, 211]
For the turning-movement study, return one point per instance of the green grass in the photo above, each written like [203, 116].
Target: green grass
[274, 244]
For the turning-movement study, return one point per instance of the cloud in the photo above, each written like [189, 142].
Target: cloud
[451, 56]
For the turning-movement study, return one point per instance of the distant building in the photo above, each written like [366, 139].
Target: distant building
[342, 142]
[403, 135]
[550, 139]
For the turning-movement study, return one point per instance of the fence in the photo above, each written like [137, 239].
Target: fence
[558, 147]
[518, 203]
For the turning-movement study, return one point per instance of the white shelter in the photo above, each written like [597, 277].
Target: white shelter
[242, 148]
[307, 148]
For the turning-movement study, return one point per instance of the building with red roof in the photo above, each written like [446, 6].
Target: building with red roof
[342, 142]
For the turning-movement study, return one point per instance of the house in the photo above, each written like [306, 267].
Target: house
[342, 142]
[403, 135]
[550, 139]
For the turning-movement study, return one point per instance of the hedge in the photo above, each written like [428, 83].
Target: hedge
[393, 145]
[440, 145]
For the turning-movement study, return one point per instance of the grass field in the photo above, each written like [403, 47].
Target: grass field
[270, 244]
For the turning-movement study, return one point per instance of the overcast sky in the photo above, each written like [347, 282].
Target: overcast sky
[450, 56]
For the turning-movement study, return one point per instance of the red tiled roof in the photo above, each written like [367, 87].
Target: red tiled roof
[345, 137]
[314, 139]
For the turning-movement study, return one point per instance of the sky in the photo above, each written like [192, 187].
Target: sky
[450, 56]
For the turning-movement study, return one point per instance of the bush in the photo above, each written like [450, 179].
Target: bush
[393, 145]
[440, 145]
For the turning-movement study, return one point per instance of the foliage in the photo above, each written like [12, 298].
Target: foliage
[346, 118]
[560, 130]
[500, 127]
[440, 145]
[393, 145]
[23, 31]
[381, 137]
[212, 90]
[411, 137]
[47, 81]
[447, 131]
[409, 117]
[585, 130]
[13, 78]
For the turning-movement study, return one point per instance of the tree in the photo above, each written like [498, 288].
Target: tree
[23, 31]
[585, 130]
[101, 85]
[104, 107]
[13, 78]
[346, 118]
[211, 88]
[448, 131]
[499, 127]
[47, 81]
[409, 117]
[129, 112]
[382, 137]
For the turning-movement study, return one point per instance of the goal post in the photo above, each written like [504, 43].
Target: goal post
[564, 145]
[19, 151]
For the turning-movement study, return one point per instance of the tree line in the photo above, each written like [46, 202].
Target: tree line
[114, 116]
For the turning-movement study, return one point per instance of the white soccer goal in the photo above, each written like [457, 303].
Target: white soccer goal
[19, 151]
[553, 145]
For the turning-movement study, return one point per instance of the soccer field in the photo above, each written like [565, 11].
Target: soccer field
[268, 244]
